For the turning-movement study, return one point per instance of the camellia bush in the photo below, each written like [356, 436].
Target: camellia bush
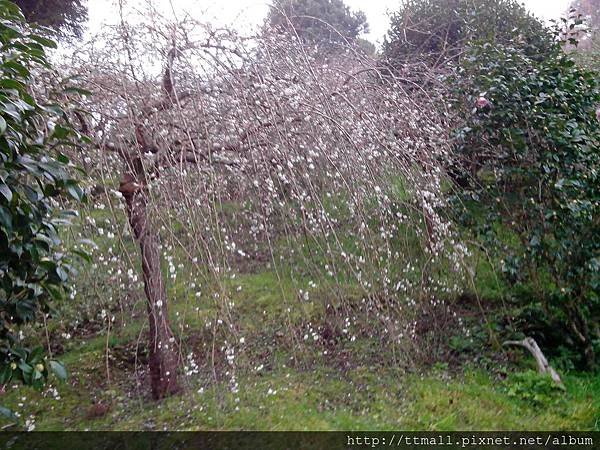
[529, 156]
[34, 177]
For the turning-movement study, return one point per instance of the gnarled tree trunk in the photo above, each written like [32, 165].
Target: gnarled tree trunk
[163, 354]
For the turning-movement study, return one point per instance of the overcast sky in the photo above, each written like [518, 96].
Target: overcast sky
[248, 13]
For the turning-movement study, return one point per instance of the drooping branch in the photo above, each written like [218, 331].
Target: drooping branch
[275, 131]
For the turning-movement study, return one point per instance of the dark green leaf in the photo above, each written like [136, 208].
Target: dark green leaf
[58, 369]
[6, 192]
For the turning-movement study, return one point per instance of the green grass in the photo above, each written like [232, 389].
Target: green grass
[478, 402]
[355, 385]
[297, 389]
[317, 399]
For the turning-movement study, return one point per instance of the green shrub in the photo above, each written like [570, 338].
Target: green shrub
[34, 176]
[533, 388]
[527, 155]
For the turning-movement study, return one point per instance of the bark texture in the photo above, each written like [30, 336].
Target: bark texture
[163, 354]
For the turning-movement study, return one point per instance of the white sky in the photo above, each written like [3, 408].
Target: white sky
[248, 13]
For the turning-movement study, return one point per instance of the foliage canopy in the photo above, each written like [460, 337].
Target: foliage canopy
[34, 176]
[64, 16]
[318, 21]
[438, 31]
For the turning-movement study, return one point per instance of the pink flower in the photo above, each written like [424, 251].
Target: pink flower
[482, 102]
[598, 113]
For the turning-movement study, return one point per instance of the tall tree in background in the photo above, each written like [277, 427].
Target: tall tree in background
[63, 16]
[438, 31]
[318, 21]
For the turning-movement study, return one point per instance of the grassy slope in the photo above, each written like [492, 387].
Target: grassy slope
[283, 396]
[319, 399]
[319, 391]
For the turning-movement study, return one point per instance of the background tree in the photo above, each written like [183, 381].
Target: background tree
[437, 31]
[34, 175]
[320, 22]
[63, 16]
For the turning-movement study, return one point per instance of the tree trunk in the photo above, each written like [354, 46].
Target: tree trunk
[580, 327]
[163, 354]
